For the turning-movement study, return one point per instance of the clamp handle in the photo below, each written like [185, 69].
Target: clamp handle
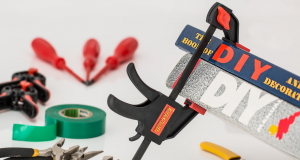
[147, 91]
[43, 92]
[29, 96]
[130, 111]
[6, 99]
[29, 106]
[135, 112]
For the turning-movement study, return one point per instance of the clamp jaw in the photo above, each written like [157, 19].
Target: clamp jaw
[38, 80]
[222, 18]
[161, 117]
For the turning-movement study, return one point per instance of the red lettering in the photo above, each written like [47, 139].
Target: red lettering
[219, 52]
[258, 69]
[241, 62]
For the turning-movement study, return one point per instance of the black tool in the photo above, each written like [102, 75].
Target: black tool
[38, 81]
[23, 92]
[21, 96]
[161, 117]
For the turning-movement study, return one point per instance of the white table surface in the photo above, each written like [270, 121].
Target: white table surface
[270, 28]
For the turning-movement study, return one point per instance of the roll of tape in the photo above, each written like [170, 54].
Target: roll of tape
[68, 121]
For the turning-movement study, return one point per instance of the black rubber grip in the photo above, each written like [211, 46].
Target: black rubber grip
[29, 158]
[16, 152]
[43, 94]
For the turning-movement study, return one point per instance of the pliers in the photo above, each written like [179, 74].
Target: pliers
[54, 153]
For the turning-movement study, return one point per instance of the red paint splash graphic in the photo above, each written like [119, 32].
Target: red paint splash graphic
[181, 74]
[284, 125]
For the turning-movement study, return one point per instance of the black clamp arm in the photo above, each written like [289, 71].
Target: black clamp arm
[161, 117]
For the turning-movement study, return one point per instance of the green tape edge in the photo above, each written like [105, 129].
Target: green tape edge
[56, 125]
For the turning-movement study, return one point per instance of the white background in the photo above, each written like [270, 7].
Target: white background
[269, 28]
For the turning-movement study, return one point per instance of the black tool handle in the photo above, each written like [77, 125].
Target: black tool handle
[16, 152]
[30, 158]
[6, 98]
[148, 92]
[29, 106]
[43, 92]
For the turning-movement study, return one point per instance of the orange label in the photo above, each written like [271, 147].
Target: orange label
[162, 120]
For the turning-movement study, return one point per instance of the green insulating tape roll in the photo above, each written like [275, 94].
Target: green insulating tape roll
[68, 121]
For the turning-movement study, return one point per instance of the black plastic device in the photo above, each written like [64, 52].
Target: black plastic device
[161, 117]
